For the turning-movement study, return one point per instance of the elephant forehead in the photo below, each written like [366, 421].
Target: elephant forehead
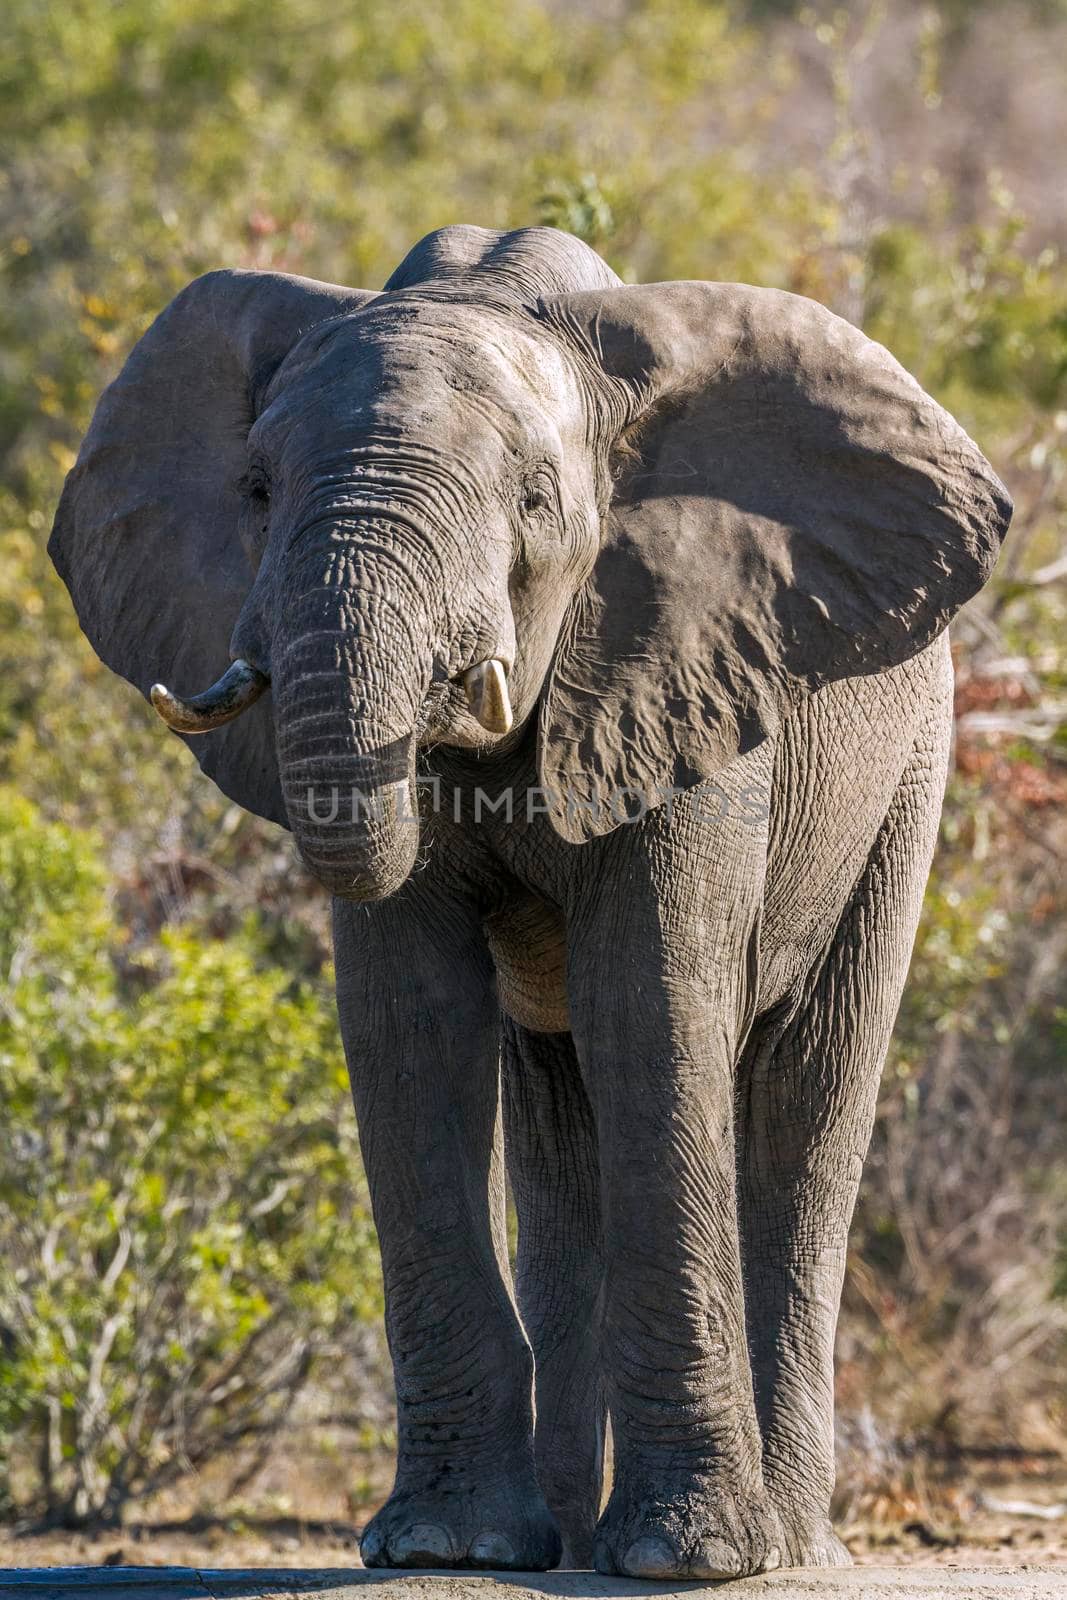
[423, 354]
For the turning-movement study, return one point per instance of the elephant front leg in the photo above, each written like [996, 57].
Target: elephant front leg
[808, 1095]
[659, 1001]
[421, 1033]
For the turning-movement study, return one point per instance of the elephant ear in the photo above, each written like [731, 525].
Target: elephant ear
[791, 509]
[146, 534]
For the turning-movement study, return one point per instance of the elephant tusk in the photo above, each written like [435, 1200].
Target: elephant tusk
[486, 688]
[238, 688]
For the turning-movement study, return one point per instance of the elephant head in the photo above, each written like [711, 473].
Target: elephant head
[507, 487]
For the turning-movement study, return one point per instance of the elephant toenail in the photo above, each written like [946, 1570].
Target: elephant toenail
[492, 1550]
[371, 1546]
[603, 1560]
[424, 1544]
[772, 1560]
[651, 1558]
[714, 1558]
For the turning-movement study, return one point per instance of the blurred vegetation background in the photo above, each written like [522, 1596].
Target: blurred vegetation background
[188, 1278]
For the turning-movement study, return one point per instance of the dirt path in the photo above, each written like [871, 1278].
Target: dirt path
[989, 1540]
[979, 1524]
[870, 1583]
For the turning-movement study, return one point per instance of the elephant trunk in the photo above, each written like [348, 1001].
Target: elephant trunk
[352, 662]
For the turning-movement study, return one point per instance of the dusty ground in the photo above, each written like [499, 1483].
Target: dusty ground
[977, 1522]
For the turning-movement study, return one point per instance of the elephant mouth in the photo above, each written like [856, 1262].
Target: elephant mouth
[463, 709]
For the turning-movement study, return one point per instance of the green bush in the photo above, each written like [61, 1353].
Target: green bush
[183, 1225]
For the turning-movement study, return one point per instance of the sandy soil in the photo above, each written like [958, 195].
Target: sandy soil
[987, 1540]
[974, 1522]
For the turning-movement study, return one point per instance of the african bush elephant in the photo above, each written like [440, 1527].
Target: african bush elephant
[590, 640]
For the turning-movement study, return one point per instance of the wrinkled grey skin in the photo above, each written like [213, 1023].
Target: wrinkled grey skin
[714, 534]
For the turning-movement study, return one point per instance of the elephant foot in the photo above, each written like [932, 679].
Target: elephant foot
[494, 1526]
[691, 1530]
[810, 1541]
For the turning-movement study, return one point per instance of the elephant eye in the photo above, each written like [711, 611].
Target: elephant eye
[256, 488]
[535, 500]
